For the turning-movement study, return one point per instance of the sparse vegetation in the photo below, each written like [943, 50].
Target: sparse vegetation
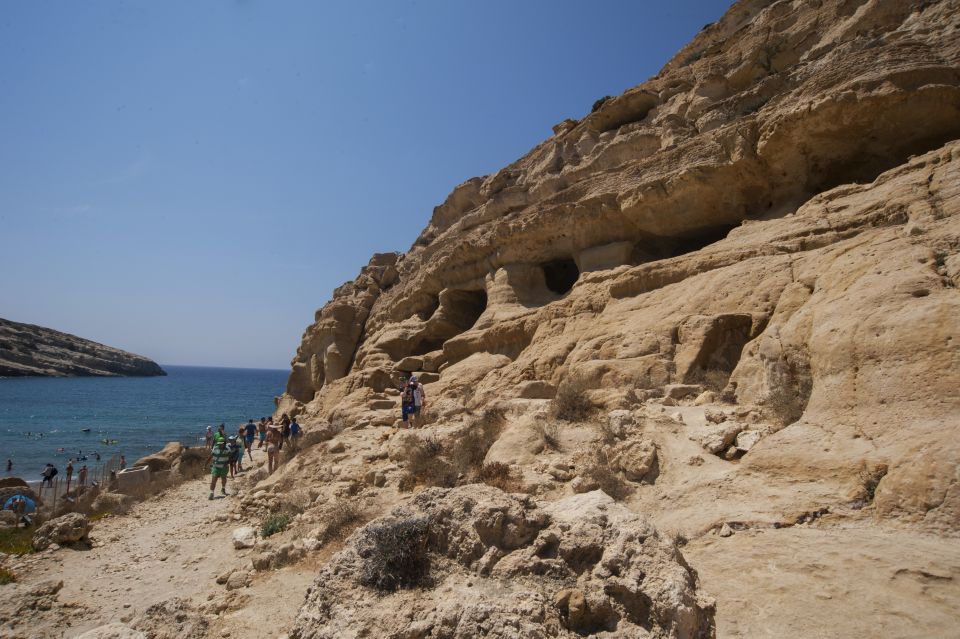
[394, 554]
[572, 402]
[275, 524]
[598, 470]
[788, 396]
[427, 465]
[680, 539]
[599, 103]
[16, 541]
[341, 518]
[550, 434]
[502, 476]
[710, 378]
[7, 577]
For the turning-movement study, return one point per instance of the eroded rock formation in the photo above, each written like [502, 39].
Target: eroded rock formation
[751, 259]
[28, 350]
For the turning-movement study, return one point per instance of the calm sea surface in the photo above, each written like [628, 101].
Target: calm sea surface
[38, 416]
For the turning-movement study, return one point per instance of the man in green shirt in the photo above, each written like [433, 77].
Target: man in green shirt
[219, 458]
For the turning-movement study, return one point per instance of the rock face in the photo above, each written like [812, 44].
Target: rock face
[474, 561]
[753, 258]
[28, 350]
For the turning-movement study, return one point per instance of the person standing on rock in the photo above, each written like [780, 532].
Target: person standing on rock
[69, 472]
[274, 437]
[262, 431]
[250, 431]
[419, 397]
[284, 429]
[82, 476]
[219, 458]
[408, 404]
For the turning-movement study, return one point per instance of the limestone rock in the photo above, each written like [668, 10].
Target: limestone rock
[115, 630]
[635, 459]
[716, 439]
[244, 537]
[115, 503]
[66, 529]
[603, 556]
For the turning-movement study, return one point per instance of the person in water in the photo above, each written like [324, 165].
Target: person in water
[9, 465]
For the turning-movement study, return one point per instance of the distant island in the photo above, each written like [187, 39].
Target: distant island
[35, 351]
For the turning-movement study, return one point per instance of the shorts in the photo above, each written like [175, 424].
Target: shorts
[218, 471]
[249, 439]
[409, 410]
[263, 436]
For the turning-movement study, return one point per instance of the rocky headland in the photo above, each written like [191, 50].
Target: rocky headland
[691, 369]
[29, 350]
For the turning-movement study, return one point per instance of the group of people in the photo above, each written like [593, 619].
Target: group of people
[226, 452]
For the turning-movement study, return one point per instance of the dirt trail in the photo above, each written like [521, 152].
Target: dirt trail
[173, 545]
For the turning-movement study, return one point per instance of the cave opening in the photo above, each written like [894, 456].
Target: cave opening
[560, 275]
[464, 308]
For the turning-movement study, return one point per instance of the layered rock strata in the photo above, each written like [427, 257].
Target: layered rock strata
[28, 350]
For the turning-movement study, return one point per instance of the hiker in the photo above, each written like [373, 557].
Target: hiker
[240, 445]
[69, 472]
[232, 447]
[419, 396]
[284, 429]
[294, 432]
[274, 437]
[250, 431]
[123, 462]
[49, 472]
[262, 431]
[219, 458]
[411, 401]
[208, 438]
[82, 476]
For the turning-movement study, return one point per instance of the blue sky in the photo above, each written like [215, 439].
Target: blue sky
[191, 180]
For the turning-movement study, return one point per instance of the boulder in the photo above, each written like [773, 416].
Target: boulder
[115, 503]
[621, 422]
[747, 439]
[163, 459]
[717, 438]
[636, 459]
[238, 579]
[608, 569]
[245, 537]
[64, 530]
[680, 391]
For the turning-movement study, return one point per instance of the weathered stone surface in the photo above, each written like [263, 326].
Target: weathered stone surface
[28, 350]
[66, 529]
[244, 537]
[115, 630]
[498, 547]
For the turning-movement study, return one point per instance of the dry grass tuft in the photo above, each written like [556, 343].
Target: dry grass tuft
[572, 402]
[502, 476]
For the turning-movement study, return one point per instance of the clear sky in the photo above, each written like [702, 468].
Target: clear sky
[191, 180]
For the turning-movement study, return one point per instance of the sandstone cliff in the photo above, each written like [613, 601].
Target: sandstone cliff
[748, 264]
[28, 350]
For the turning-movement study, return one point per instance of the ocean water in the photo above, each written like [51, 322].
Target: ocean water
[39, 416]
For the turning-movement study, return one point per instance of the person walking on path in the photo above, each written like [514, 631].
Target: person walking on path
[294, 433]
[274, 438]
[239, 451]
[250, 431]
[232, 447]
[219, 458]
[262, 431]
[411, 402]
[82, 476]
[69, 473]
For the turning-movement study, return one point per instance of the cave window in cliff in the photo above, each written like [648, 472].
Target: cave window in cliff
[428, 308]
[425, 346]
[464, 308]
[560, 275]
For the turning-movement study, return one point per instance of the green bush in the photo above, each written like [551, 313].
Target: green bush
[16, 541]
[394, 554]
[275, 524]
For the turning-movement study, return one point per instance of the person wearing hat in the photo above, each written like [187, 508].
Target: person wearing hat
[219, 460]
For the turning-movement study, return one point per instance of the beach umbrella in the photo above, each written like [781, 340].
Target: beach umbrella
[31, 506]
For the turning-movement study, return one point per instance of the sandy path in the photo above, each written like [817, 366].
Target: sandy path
[174, 545]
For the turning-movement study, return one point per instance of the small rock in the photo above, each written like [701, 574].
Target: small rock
[669, 401]
[706, 397]
[238, 579]
[245, 537]
[337, 447]
[679, 391]
[725, 530]
[582, 485]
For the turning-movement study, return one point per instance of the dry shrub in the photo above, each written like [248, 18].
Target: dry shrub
[427, 465]
[598, 470]
[502, 476]
[711, 379]
[790, 391]
[572, 402]
[394, 554]
[341, 518]
[549, 432]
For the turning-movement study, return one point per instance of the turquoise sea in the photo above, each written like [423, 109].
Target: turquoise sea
[40, 416]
